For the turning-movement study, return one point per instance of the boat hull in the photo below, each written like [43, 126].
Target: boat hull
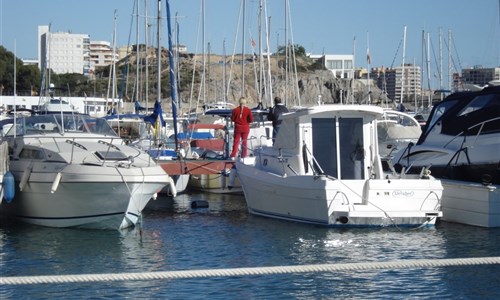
[326, 201]
[471, 203]
[85, 196]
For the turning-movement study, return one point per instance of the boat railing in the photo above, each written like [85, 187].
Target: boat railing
[112, 142]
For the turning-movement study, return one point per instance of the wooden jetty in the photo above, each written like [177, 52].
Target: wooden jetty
[196, 166]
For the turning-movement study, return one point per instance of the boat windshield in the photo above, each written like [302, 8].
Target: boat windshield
[66, 123]
[438, 112]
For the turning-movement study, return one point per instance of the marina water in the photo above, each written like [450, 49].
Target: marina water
[175, 236]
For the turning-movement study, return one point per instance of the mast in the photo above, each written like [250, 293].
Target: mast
[137, 53]
[158, 54]
[403, 69]
[113, 82]
[369, 61]
[172, 75]
[429, 70]
[261, 75]
[286, 52]
[243, 54]
[146, 60]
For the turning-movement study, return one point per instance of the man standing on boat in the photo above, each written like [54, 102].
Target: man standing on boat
[274, 114]
[242, 117]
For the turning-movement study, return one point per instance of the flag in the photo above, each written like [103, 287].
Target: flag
[252, 41]
[368, 56]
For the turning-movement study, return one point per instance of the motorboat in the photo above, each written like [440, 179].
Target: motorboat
[461, 145]
[396, 130]
[325, 168]
[73, 170]
[461, 140]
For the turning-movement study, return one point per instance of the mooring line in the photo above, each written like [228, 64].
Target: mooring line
[232, 272]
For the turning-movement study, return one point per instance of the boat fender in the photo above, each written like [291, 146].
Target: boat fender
[223, 178]
[199, 204]
[24, 179]
[171, 185]
[305, 160]
[204, 180]
[55, 184]
[232, 177]
[9, 187]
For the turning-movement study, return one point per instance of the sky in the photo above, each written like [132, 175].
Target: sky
[320, 26]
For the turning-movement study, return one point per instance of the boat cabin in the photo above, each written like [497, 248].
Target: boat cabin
[336, 140]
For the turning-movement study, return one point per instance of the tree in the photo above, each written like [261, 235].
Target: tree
[298, 49]
[27, 77]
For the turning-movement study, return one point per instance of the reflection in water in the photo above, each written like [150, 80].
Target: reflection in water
[175, 236]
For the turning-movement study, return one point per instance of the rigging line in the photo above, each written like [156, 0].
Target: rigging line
[294, 61]
[396, 54]
[234, 49]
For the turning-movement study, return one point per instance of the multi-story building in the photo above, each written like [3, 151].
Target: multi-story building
[480, 76]
[394, 82]
[63, 52]
[101, 54]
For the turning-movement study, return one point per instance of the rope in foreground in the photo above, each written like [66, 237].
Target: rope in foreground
[402, 264]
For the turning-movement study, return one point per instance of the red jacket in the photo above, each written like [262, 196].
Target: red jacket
[242, 117]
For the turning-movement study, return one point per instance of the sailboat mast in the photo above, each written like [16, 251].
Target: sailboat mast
[146, 61]
[172, 74]
[113, 83]
[158, 54]
[137, 53]
[287, 54]
[403, 69]
[243, 54]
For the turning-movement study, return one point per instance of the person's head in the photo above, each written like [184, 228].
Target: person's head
[277, 100]
[243, 101]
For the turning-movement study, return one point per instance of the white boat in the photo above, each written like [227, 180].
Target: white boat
[74, 171]
[324, 168]
[461, 145]
[395, 131]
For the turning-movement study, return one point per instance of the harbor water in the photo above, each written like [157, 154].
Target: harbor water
[174, 236]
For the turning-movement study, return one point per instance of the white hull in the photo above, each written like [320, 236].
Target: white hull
[324, 201]
[85, 196]
[471, 203]
[78, 175]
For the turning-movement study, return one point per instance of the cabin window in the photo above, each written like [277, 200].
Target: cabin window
[351, 147]
[349, 144]
[27, 153]
[324, 143]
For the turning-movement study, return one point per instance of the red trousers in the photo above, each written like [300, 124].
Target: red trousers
[240, 136]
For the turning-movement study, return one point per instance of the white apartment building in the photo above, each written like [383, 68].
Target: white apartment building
[63, 52]
[101, 54]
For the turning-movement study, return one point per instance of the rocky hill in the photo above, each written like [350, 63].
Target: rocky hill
[303, 83]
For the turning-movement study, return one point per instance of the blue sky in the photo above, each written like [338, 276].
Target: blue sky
[321, 26]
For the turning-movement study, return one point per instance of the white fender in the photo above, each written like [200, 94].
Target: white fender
[24, 179]
[171, 185]
[222, 178]
[232, 177]
[55, 184]
[203, 180]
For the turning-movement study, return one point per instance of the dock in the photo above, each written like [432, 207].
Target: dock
[196, 167]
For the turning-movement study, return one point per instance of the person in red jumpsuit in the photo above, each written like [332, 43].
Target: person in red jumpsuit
[241, 117]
